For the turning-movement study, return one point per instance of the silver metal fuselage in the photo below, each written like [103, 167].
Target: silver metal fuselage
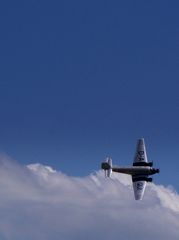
[135, 170]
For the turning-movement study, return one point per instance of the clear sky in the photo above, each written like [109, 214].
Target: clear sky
[81, 80]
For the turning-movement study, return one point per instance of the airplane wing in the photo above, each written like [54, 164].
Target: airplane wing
[139, 188]
[140, 158]
[140, 155]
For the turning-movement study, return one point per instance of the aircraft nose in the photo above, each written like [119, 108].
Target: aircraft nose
[155, 170]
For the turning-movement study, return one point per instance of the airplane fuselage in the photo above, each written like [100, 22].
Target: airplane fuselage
[135, 170]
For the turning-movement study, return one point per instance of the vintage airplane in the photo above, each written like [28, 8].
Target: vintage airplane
[140, 170]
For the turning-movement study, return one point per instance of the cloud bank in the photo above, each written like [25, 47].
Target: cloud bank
[37, 202]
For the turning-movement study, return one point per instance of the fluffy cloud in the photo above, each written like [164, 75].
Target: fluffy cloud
[37, 202]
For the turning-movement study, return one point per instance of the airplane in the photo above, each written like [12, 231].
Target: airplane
[140, 171]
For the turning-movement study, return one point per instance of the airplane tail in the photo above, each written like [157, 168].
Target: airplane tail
[107, 167]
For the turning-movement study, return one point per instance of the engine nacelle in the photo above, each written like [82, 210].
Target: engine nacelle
[148, 164]
[136, 179]
[149, 180]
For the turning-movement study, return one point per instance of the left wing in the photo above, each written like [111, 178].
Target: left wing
[140, 155]
[139, 187]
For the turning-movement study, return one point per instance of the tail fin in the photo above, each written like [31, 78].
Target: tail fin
[107, 167]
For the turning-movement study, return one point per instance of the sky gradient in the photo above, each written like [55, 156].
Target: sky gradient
[82, 80]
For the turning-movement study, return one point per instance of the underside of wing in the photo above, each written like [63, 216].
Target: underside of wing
[139, 188]
[140, 155]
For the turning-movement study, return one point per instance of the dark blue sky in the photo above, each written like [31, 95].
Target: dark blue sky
[80, 80]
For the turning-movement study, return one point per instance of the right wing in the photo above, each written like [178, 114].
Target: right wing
[140, 158]
[139, 188]
[140, 155]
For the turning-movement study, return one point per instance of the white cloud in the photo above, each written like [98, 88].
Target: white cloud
[37, 202]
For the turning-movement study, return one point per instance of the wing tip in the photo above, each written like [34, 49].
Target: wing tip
[141, 139]
[138, 198]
